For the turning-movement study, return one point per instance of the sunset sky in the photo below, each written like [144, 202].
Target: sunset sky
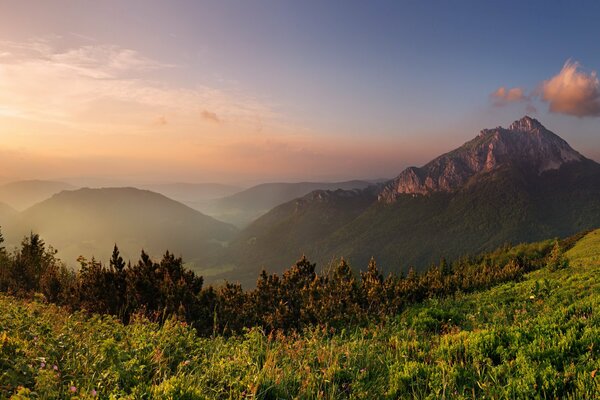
[252, 91]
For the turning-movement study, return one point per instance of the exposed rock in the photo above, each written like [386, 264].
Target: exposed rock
[525, 144]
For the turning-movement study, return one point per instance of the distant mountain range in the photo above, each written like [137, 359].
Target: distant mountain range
[23, 194]
[246, 206]
[523, 183]
[515, 184]
[89, 222]
[193, 192]
[7, 213]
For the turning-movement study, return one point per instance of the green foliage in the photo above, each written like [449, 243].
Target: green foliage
[416, 336]
[301, 297]
[535, 338]
[556, 258]
[506, 205]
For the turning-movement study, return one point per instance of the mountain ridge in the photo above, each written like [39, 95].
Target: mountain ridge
[90, 221]
[526, 142]
[546, 189]
[21, 195]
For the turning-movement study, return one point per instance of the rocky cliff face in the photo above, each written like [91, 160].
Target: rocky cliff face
[525, 144]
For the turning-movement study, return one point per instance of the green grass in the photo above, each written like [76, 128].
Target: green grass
[587, 250]
[538, 338]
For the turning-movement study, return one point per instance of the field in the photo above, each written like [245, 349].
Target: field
[537, 338]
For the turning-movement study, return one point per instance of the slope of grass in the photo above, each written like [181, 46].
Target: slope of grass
[538, 338]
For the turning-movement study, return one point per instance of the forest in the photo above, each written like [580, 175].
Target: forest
[335, 297]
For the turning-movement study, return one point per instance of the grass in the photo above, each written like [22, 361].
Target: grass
[538, 338]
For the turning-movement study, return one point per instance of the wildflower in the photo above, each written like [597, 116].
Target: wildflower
[93, 392]
[55, 367]
[73, 389]
[42, 365]
[532, 297]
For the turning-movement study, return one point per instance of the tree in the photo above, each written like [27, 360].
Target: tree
[340, 300]
[116, 260]
[2, 249]
[118, 279]
[556, 259]
[372, 288]
[5, 270]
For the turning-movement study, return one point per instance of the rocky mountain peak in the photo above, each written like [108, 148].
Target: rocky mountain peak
[525, 144]
[526, 124]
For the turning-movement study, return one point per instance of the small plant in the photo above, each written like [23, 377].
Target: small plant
[557, 259]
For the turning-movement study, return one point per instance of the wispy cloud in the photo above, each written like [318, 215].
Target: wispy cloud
[75, 108]
[210, 116]
[161, 120]
[573, 92]
[94, 81]
[503, 96]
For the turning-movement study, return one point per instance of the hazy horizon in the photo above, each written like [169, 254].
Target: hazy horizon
[230, 92]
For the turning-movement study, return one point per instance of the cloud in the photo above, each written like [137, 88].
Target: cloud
[572, 92]
[107, 86]
[503, 96]
[210, 116]
[161, 120]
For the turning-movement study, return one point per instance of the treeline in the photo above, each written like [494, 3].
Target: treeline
[301, 296]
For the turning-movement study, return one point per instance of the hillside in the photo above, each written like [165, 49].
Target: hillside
[193, 193]
[285, 229]
[507, 185]
[90, 221]
[536, 338]
[23, 194]
[246, 206]
[7, 213]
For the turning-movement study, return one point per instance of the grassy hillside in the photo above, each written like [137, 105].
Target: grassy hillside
[537, 338]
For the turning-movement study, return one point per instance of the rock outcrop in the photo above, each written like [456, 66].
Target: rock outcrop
[525, 144]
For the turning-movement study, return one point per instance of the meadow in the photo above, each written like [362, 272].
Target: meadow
[538, 337]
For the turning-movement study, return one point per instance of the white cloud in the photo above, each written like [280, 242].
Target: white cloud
[573, 92]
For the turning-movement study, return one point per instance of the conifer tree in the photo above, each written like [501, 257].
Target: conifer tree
[556, 259]
[116, 260]
[2, 249]
[372, 287]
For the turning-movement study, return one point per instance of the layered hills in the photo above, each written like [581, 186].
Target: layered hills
[521, 183]
[242, 208]
[23, 194]
[89, 222]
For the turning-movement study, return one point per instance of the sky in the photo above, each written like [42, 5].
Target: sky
[244, 92]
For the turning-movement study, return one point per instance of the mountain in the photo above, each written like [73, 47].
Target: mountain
[284, 231]
[519, 184]
[191, 193]
[23, 194]
[7, 213]
[246, 206]
[90, 221]
[525, 144]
